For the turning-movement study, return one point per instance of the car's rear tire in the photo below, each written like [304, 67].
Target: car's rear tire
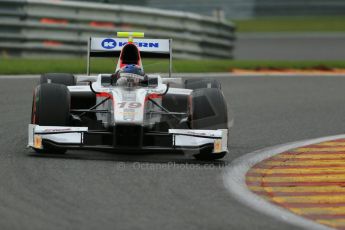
[58, 78]
[51, 107]
[202, 83]
[208, 111]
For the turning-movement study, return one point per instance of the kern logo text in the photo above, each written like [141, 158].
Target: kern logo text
[108, 43]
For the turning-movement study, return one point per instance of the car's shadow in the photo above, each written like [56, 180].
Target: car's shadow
[130, 158]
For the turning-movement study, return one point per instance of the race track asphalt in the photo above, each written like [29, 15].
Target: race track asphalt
[91, 190]
[290, 46]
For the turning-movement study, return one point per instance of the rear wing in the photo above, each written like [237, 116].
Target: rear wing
[111, 47]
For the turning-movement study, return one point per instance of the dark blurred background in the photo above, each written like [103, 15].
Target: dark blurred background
[201, 29]
[234, 9]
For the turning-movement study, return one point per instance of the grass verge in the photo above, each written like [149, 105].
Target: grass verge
[37, 66]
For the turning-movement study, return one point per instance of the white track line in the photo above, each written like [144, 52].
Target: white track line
[235, 181]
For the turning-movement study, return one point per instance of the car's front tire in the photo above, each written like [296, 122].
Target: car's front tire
[209, 156]
[208, 111]
[51, 107]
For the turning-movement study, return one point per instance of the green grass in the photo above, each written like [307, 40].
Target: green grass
[292, 24]
[36, 66]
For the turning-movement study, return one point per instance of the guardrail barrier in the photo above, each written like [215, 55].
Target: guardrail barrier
[62, 28]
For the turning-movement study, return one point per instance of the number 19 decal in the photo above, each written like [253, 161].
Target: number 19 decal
[129, 105]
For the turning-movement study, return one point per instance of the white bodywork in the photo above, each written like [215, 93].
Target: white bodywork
[129, 105]
[75, 136]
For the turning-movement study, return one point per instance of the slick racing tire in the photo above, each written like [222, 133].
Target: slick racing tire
[51, 107]
[58, 78]
[202, 83]
[209, 156]
[209, 111]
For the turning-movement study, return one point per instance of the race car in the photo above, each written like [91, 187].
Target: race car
[129, 111]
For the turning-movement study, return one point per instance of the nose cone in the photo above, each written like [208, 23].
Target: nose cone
[129, 106]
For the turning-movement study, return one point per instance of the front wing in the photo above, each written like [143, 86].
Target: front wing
[175, 140]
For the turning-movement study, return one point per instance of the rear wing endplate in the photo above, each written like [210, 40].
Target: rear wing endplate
[111, 47]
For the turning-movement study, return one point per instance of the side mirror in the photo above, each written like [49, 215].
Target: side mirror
[152, 81]
[106, 79]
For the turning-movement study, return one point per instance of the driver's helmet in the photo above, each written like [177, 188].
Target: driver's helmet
[128, 69]
[134, 69]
